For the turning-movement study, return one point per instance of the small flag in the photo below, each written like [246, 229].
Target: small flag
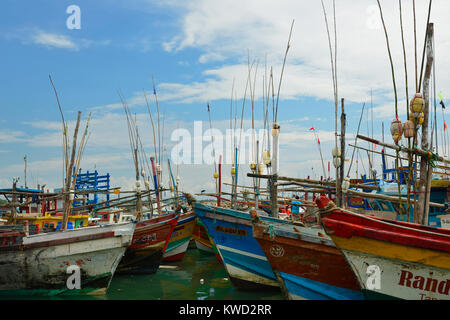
[318, 141]
[375, 146]
[154, 90]
[442, 100]
[208, 107]
[445, 126]
[25, 158]
[312, 128]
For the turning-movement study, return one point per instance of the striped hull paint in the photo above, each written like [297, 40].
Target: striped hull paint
[179, 240]
[201, 237]
[200, 245]
[149, 242]
[302, 288]
[246, 269]
[39, 266]
[307, 262]
[203, 241]
[243, 258]
[391, 259]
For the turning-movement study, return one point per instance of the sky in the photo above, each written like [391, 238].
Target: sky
[199, 52]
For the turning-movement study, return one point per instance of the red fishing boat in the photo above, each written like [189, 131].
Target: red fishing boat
[149, 243]
[390, 259]
[306, 262]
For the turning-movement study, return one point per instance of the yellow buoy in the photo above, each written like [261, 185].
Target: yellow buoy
[417, 103]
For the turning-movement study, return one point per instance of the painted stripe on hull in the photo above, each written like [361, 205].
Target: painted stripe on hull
[300, 288]
[244, 275]
[247, 266]
[231, 232]
[176, 253]
[394, 251]
[201, 246]
[398, 279]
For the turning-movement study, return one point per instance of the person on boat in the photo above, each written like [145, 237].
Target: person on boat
[296, 207]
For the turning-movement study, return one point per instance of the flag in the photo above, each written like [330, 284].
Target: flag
[312, 128]
[445, 126]
[318, 141]
[375, 146]
[154, 90]
[208, 107]
[442, 100]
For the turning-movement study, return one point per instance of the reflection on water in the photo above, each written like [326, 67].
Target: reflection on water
[200, 276]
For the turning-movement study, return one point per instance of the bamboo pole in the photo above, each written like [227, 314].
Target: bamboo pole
[324, 183]
[68, 198]
[425, 178]
[340, 195]
[417, 151]
[401, 158]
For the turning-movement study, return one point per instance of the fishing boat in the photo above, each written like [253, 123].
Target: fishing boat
[180, 237]
[150, 240]
[390, 259]
[306, 262]
[243, 258]
[43, 263]
[203, 241]
[200, 237]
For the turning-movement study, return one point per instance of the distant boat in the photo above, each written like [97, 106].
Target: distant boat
[200, 237]
[306, 262]
[149, 243]
[39, 264]
[180, 237]
[391, 259]
[203, 241]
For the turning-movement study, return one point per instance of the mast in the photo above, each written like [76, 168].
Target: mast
[424, 182]
[68, 197]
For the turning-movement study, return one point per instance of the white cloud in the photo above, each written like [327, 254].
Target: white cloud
[48, 39]
[228, 29]
[54, 40]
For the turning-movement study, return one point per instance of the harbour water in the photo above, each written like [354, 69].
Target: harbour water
[199, 276]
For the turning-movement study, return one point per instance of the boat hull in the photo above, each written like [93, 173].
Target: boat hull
[243, 258]
[179, 240]
[43, 263]
[149, 242]
[391, 259]
[307, 263]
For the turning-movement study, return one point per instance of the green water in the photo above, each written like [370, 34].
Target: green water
[199, 276]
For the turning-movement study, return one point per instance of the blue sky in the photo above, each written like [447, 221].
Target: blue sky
[194, 50]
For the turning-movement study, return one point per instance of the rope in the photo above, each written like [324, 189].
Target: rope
[432, 158]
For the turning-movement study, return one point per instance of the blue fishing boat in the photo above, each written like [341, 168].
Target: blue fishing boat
[231, 231]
